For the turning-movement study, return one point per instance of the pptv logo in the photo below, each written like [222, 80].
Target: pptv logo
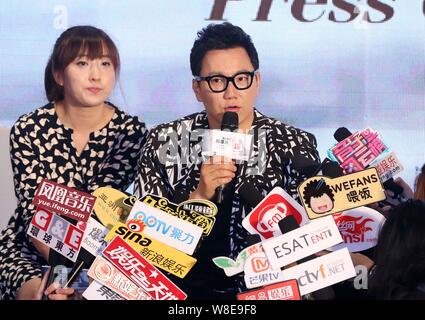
[163, 227]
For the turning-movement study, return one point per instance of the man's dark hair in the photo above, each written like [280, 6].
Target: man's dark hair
[317, 188]
[217, 37]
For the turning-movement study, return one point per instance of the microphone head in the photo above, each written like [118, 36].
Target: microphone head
[390, 184]
[326, 293]
[87, 257]
[180, 196]
[305, 166]
[331, 169]
[341, 133]
[288, 224]
[253, 239]
[230, 121]
[250, 194]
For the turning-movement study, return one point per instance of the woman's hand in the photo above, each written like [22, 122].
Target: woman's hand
[54, 291]
[361, 259]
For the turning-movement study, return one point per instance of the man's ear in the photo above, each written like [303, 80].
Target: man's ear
[58, 76]
[197, 90]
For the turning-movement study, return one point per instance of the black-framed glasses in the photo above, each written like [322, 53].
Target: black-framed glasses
[219, 83]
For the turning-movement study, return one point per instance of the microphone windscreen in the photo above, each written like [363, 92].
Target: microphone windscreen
[87, 257]
[326, 293]
[305, 166]
[331, 169]
[230, 121]
[341, 133]
[288, 224]
[179, 196]
[250, 194]
[390, 184]
[253, 239]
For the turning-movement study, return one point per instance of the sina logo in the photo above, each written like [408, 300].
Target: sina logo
[136, 225]
[132, 231]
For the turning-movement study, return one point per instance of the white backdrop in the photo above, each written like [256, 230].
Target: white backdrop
[317, 75]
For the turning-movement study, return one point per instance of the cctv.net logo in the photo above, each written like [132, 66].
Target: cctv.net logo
[323, 272]
[311, 277]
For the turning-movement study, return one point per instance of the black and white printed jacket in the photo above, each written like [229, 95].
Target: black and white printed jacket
[170, 163]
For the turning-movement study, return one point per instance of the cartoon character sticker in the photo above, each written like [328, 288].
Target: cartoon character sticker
[319, 196]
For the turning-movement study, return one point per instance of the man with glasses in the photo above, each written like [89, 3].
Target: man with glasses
[224, 64]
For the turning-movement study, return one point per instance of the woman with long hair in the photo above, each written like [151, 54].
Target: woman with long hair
[399, 272]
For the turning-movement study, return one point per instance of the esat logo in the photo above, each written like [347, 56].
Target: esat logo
[302, 242]
[265, 220]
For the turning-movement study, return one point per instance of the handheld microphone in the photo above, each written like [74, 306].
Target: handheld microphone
[59, 274]
[343, 133]
[179, 196]
[59, 268]
[59, 265]
[331, 169]
[230, 122]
